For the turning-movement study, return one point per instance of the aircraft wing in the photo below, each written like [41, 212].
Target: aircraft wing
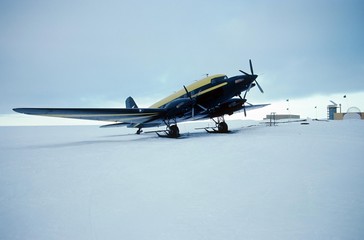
[252, 107]
[229, 107]
[133, 117]
[120, 115]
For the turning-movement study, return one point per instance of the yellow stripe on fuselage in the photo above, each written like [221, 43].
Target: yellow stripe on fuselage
[190, 88]
[209, 89]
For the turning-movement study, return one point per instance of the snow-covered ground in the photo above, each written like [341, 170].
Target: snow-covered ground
[290, 181]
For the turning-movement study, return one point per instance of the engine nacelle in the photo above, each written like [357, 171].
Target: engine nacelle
[228, 107]
[179, 106]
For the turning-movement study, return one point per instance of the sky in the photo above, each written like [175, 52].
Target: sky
[97, 53]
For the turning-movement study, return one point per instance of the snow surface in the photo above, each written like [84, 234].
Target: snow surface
[290, 181]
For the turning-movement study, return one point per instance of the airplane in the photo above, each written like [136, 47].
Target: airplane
[212, 97]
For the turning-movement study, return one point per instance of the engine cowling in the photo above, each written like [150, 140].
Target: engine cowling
[179, 106]
[228, 107]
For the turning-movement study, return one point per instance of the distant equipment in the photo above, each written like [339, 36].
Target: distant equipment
[276, 117]
[331, 110]
[333, 102]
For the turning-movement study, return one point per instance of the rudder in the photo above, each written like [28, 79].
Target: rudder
[130, 103]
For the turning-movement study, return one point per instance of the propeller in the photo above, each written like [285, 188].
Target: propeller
[193, 102]
[254, 78]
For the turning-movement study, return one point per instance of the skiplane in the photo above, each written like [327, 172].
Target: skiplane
[212, 97]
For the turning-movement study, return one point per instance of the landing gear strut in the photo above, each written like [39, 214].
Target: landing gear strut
[220, 126]
[172, 131]
[139, 131]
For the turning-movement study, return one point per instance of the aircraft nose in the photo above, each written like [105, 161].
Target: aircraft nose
[254, 76]
[237, 81]
[246, 79]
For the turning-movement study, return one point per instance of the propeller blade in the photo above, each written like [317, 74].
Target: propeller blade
[244, 102]
[251, 67]
[260, 88]
[244, 72]
[205, 109]
[245, 93]
[188, 93]
[194, 103]
[248, 90]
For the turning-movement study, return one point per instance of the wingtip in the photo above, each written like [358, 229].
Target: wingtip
[17, 110]
[21, 110]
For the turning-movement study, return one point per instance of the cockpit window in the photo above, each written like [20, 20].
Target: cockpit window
[218, 80]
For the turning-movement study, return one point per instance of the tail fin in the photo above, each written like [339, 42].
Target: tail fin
[130, 103]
